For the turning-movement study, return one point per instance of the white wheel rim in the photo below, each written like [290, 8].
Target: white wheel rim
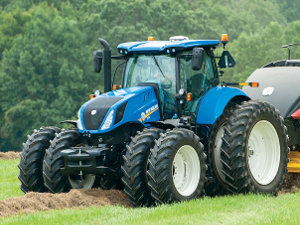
[217, 152]
[263, 152]
[83, 182]
[186, 170]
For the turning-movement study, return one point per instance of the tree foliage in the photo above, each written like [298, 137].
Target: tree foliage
[257, 49]
[46, 47]
[289, 8]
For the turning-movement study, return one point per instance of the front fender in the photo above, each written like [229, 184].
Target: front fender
[214, 102]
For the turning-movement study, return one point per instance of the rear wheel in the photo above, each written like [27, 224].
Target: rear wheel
[135, 167]
[254, 150]
[177, 167]
[54, 180]
[32, 157]
[217, 184]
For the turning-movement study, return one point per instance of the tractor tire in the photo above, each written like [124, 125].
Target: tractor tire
[177, 167]
[217, 184]
[32, 155]
[54, 180]
[254, 149]
[135, 166]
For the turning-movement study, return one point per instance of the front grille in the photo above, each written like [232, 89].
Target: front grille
[101, 105]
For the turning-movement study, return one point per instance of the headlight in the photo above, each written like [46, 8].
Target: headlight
[79, 123]
[107, 123]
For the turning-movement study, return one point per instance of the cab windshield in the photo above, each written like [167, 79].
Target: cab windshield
[158, 69]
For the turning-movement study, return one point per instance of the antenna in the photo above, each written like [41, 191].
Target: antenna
[288, 47]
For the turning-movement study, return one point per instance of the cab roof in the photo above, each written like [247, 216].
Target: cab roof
[161, 46]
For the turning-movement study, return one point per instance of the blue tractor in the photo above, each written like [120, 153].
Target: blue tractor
[169, 133]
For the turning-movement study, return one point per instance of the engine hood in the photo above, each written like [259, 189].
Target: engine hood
[115, 108]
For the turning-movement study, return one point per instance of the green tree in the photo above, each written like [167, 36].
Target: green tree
[45, 75]
[289, 8]
[11, 25]
[254, 50]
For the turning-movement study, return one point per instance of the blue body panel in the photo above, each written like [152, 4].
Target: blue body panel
[142, 107]
[159, 46]
[214, 103]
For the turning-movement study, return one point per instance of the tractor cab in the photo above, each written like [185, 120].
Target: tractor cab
[174, 65]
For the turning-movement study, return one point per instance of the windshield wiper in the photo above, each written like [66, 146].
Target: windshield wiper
[156, 63]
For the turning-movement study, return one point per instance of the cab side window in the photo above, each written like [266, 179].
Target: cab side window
[196, 82]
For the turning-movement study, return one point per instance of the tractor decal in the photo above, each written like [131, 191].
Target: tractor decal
[145, 115]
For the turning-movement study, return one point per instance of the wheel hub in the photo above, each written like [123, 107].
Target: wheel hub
[186, 170]
[82, 181]
[263, 152]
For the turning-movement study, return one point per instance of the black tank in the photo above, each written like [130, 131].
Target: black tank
[278, 85]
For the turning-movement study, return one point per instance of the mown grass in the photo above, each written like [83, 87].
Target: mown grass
[248, 209]
[9, 183]
[241, 209]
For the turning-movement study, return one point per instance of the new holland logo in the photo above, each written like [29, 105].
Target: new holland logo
[267, 91]
[93, 112]
[145, 115]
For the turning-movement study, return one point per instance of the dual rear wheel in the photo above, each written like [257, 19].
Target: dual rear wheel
[254, 152]
[248, 152]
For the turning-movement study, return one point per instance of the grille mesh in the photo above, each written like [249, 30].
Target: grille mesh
[101, 105]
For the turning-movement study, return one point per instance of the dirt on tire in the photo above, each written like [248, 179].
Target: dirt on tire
[33, 201]
[9, 155]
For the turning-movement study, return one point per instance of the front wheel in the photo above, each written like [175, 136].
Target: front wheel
[177, 167]
[254, 149]
[135, 167]
[32, 157]
[54, 180]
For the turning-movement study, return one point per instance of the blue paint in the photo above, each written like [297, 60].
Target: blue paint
[159, 46]
[140, 101]
[214, 103]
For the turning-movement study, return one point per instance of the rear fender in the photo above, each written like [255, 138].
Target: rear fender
[214, 102]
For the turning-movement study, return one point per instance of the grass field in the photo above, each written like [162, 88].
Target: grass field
[241, 209]
[9, 183]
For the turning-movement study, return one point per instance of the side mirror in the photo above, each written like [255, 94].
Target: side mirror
[197, 58]
[98, 55]
[226, 60]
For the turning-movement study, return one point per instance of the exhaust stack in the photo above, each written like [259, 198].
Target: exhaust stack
[107, 65]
